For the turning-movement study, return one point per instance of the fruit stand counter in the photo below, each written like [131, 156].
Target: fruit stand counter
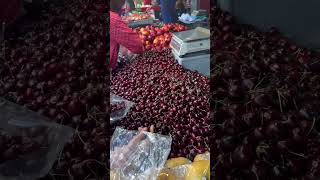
[174, 100]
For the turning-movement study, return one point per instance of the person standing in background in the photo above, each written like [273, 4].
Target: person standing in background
[181, 7]
[168, 11]
[156, 8]
[188, 6]
[128, 6]
[131, 5]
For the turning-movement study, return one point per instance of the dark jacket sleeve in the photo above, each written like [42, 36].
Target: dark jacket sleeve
[131, 4]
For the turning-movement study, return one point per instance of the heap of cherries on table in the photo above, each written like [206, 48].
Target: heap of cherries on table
[57, 69]
[166, 95]
[265, 100]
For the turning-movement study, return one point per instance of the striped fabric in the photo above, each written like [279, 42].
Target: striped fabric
[121, 34]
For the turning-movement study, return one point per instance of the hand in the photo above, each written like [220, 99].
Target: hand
[128, 55]
[124, 51]
[120, 156]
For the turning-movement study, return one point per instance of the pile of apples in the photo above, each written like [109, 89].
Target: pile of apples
[136, 17]
[174, 27]
[155, 38]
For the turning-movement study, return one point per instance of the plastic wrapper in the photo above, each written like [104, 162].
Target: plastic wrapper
[141, 159]
[119, 108]
[35, 146]
[125, 55]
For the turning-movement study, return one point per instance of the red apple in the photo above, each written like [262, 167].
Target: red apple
[145, 32]
[142, 29]
[156, 41]
[170, 26]
[148, 47]
[153, 32]
[159, 32]
[165, 29]
[144, 38]
[167, 39]
[161, 38]
[150, 38]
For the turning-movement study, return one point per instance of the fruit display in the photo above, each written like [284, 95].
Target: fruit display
[58, 69]
[137, 17]
[265, 97]
[174, 100]
[181, 168]
[156, 38]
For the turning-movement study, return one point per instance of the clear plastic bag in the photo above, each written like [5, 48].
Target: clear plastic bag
[125, 55]
[23, 128]
[144, 160]
[119, 108]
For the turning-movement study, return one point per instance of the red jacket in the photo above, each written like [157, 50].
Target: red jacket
[121, 34]
[147, 2]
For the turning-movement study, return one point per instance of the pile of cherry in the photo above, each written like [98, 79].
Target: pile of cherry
[15, 146]
[266, 95]
[174, 100]
[58, 69]
[117, 107]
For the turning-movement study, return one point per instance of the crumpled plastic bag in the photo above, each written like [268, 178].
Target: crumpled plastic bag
[125, 55]
[187, 18]
[119, 108]
[27, 126]
[144, 161]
